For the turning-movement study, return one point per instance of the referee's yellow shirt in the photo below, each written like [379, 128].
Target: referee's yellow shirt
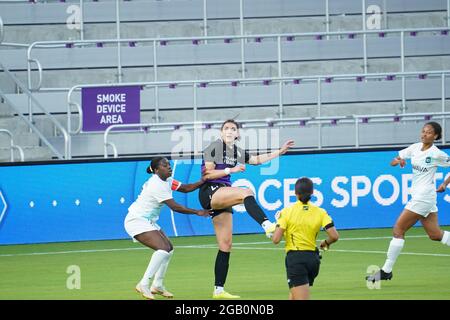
[301, 224]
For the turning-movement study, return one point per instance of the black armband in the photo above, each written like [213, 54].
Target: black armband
[328, 226]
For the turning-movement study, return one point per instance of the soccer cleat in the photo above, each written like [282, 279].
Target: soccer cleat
[162, 292]
[225, 295]
[380, 275]
[270, 230]
[145, 292]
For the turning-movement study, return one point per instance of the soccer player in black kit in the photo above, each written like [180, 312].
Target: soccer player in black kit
[221, 159]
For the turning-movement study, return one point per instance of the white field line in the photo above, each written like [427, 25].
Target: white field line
[238, 246]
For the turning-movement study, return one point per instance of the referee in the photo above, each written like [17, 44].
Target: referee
[300, 225]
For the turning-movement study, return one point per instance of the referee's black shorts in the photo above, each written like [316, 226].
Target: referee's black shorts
[302, 267]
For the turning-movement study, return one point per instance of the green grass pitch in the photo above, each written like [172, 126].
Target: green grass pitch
[110, 269]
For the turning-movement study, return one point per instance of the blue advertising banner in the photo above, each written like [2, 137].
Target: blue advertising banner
[89, 201]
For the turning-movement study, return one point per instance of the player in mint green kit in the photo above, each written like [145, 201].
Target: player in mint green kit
[141, 223]
[425, 159]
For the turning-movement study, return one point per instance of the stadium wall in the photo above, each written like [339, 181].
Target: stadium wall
[76, 201]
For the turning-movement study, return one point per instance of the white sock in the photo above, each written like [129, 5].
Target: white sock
[159, 276]
[158, 257]
[446, 238]
[266, 224]
[218, 290]
[395, 247]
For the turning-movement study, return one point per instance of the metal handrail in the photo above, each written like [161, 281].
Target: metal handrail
[67, 140]
[276, 36]
[302, 121]
[397, 117]
[448, 13]
[280, 80]
[2, 30]
[12, 146]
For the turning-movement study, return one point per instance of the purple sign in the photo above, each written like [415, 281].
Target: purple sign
[105, 106]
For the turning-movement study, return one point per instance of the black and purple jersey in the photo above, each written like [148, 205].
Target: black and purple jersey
[223, 157]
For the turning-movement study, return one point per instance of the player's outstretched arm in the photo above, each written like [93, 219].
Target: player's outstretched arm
[398, 160]
[182, 209]
[263, 158]
[189, 187]
[443, 185]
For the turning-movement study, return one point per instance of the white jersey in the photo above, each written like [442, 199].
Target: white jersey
[424, 164]
[149, 202]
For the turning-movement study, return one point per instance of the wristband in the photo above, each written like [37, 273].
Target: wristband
[227, 171]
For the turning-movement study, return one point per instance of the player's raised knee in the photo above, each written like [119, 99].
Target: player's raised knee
[247, 193]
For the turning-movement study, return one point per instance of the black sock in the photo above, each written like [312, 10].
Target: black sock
[221, 268]
[254, 210]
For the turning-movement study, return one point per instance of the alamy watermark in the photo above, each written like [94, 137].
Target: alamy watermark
[74, 279]
[73, 21]
[373, 271]
[255, 140]
[373, 21]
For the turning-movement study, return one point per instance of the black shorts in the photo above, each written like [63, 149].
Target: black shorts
[205, 195]
[302, 267]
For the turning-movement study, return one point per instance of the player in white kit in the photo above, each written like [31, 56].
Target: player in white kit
[425, 158]
[140, 223]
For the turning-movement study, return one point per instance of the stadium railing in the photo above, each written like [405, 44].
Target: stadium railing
[356, 120]
[280, 38]
[240, 9]
[12, 146]
[30, 123]
[317, 79]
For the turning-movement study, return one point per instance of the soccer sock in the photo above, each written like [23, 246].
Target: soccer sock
[395, 247]
[218, 290]
[446, 238]
[158, 257]
[221, 268]
[254, 210]
[159, 276]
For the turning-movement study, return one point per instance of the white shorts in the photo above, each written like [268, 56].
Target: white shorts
[138, 225]
[423, 208]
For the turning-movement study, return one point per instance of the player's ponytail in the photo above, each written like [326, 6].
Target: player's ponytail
[154, 164]
[304, 189]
